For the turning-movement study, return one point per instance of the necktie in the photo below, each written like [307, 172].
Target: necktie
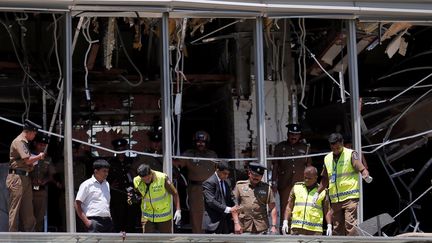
[222, 188]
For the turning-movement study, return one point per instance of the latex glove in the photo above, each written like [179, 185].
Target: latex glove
[315, 198]
[285, 227]
[368, 179]
[329, 231]
[177, 216]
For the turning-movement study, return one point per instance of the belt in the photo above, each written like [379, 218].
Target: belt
[18, 172]
[195, 182]
[97, 217]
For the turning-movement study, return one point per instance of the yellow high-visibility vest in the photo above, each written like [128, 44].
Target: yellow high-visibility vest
[156, 201]
[305, 214]
[343, 179]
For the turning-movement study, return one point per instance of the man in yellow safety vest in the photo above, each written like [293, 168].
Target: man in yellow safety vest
[341, 175]
[307, 218]
[155, 187]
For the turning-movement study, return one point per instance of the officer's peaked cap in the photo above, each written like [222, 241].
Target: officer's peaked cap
[294, 128]
[31, 126]
[257, 168]
[42, 138]
[155, 136]
[117, 143]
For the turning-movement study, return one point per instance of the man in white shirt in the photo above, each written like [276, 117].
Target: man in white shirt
[92, 202]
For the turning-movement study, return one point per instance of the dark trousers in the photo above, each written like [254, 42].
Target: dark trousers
[123, 215]
[160, 227]
[100, 224]
[223, 228]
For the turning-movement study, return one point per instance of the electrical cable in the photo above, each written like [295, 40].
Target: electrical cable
[60, 78]
[399, 94]
[87, 36]
[130, 61]
[378, 146]
[20, 62]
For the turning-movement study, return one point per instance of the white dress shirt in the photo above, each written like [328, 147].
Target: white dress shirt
[95, 198]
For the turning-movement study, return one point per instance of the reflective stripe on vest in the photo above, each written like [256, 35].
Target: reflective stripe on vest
[343, 179]
[304, 214]
[156, 203]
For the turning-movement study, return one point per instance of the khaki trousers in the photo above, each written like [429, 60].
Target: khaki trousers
[196, 204]
[39, 208]
[20, 203]
[345, 217]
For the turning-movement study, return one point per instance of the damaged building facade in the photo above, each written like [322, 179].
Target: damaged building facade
[94, 71]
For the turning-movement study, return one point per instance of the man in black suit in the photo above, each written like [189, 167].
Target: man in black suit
[218, 201]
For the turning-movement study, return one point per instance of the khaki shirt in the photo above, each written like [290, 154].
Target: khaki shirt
[253, 203]
[19, 150]
[200, 170]
[42, 172]
[290, 171]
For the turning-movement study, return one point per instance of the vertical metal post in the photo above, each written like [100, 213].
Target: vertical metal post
[355, 100]
[166, 96]
[259, 90]
[69, 186]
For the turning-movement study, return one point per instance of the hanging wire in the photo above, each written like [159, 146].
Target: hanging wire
[87, 36]
[7, 27]
[130, 61]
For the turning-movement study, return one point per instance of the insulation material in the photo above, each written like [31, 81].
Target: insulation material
[331, 53]
[403, 47]
[109, 43]
[394, 29]
[394, 45]
[361, 45]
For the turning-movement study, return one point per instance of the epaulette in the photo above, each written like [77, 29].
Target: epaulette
[242, 182]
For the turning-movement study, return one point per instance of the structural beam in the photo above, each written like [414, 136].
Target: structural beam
[69, 185]
[355, 101]
[259, 90]
[166, 96]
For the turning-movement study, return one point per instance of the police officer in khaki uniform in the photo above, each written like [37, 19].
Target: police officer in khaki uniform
[41, 175]
[155, 163]
[18, 181]
[289, 171]
[197, 172]
[253, 197]
[120, 178]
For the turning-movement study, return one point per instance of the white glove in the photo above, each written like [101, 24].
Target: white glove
[285, 227]
[368, 179]
[329, 231]
[315, 198]
[177, 216]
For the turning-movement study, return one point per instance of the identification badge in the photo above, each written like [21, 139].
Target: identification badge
[333, 178]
